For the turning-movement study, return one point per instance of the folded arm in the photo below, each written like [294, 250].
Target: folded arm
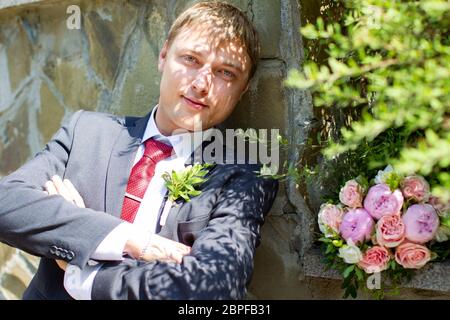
[221, 260]
[48, 225]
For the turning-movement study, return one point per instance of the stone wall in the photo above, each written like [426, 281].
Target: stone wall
[47, 72]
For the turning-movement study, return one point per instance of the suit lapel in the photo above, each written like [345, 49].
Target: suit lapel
[169, 230]
[121, 161]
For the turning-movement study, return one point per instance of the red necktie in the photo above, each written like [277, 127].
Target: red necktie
[140, 177]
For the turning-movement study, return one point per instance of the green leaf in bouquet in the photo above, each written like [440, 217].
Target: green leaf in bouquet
[359, 274]
[348, 271]
[393, 180]
[330, 248]
[446, 221]
[363, 182]
[325, 239]
[393, 264]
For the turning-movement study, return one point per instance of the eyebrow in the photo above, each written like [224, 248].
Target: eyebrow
[230, 64]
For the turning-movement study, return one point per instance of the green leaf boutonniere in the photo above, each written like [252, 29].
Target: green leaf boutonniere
[182, 184]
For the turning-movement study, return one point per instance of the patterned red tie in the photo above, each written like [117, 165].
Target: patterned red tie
[140, 177]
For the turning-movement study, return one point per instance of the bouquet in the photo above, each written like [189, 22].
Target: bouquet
[388, 227]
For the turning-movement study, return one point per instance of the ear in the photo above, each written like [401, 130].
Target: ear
[162, 56]
[244, 91]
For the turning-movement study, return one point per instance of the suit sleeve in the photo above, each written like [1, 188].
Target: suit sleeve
[49, 226]
[221, 260]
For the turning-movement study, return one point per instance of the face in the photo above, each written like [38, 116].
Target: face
[202, 80]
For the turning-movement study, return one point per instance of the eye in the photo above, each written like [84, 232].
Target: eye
[228, 74]
[190, 59]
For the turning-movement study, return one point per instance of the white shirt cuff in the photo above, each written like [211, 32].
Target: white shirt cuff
[78, 282]
[111, 248]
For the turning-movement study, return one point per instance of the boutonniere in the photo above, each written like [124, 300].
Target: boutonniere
[183, 183]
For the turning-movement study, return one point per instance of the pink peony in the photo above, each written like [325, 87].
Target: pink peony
[375, 259]
[421, 223]
[330, 216]
[381, 201]
[357, 225]
[390, 230]
[352, 194]
[415, 187]
[412, 255]
[441, 208]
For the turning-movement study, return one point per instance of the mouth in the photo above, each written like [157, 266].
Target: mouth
[194, 104]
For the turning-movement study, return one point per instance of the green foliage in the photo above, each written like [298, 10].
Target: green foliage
[183, 184]
[391, 60]
[364, 161]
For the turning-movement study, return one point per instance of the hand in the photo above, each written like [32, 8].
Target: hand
[65, 189]
[158, 249]
[62, 264]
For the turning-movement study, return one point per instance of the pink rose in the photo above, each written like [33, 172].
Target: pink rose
[357, 225]
[415, 187]
[412, 255]
[421, 223]
[330, 216]
[375, 259]
[351, 194]
[441, 208]
[381, 201]
[390, 230]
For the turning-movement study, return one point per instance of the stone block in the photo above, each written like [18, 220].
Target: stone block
[72, 80]
[267, 20]
[181, 6]
[47, 28]
[156, 26]
[14, 3]
[140, 90]
[277, 274]
[14, 147]
[5, 253]
[108, 28]
[263, 106]
[19, 55]
[50, 114]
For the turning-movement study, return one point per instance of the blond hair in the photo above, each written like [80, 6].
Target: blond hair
[229, 23]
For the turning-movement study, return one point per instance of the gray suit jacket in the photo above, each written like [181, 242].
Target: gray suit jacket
[96, 151]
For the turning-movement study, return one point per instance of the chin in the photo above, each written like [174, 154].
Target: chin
[192, 124]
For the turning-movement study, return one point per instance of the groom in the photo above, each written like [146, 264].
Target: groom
[106, 230]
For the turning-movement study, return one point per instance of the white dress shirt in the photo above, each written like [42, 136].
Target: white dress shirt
[78, 282]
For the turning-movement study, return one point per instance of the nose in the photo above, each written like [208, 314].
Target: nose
[202, 82]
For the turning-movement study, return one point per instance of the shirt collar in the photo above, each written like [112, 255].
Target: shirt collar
[184, 144]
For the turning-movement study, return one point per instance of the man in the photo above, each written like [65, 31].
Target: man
[106, 231]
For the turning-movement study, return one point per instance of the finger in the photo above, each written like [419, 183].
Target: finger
[176, 257]
[74, 192]
[50, 188]
[178, 245]
[185, 248]
[61, 188]
[61, 264]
